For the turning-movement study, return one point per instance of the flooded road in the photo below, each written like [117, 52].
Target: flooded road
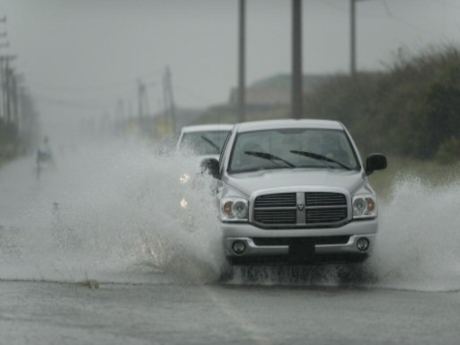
[98, 250]
[172, 313]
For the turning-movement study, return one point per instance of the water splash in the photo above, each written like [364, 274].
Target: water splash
[418, 237]
[114, 208]
[112, 212]
[417, 246]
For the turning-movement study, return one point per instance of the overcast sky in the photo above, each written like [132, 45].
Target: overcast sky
[82, 55]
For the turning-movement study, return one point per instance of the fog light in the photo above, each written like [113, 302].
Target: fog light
[239, 247]
[362, 244]
[183, 203]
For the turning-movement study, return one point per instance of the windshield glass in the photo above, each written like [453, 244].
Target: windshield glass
[204, 143]
[292, 148]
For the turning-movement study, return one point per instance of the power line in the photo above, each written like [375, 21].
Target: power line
[390, 14]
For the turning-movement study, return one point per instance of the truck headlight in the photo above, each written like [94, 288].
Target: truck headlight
[184, 178]
[364, 206]
[234, 209]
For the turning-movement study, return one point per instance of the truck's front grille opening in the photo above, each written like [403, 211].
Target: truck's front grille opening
[276, 216]
[285, 241]
[325, 215]
[324, 199]
[276, 200]
[301, 209]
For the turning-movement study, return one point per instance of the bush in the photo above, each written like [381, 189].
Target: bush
[449, 151]
[412, 109]
[8, 141]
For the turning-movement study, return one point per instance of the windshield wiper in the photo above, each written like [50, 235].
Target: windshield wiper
[210, 142]
[269, 156]
[320, 158]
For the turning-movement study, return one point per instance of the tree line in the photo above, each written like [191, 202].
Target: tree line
[410, 110]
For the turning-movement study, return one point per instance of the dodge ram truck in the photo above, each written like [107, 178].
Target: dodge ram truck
[295, 191]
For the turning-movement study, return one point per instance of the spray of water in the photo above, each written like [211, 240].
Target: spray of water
[418, 243]
[417, 246]
[110, 212]
[113, 212]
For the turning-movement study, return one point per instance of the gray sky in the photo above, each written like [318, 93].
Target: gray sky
[81, 55]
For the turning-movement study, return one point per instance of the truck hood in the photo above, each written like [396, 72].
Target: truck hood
[315, 179]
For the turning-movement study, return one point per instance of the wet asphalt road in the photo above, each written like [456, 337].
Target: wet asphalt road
[151, 308]
[174, 313]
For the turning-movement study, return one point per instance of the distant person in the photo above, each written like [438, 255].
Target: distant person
[44, 156]
[44, 151]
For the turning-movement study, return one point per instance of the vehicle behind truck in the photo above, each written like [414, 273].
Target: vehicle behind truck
[203, 140]
[199, 142]
[295, 191]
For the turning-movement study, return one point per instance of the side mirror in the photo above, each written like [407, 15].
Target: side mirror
[375, 161]
[211, 166]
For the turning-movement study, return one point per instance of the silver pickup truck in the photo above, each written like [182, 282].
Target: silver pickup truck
[295, 191]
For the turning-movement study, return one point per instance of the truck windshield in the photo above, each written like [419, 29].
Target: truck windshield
[292, 148]
[204, 142]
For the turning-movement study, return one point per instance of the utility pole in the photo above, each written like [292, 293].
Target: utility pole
[13, 91]
[168, 94]
[166, 100]
[6, 74]
[17, 86]
[120, 110]
[297, 74]
[141, 99]
[242, 61]
[7, 82]
[6, 90]
[353, 38]
[353, 45]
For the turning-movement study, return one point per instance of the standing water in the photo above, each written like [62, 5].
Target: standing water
[113, 212]
[106, 212]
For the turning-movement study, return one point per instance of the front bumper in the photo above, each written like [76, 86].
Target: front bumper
[256, 239]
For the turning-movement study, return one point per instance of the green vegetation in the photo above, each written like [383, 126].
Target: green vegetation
[8, 141]
[430, 173]
[413, 110]
[19, 134]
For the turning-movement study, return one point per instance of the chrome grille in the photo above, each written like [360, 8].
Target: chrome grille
[276, 216]
[276, 200]
[324, 199]
[325, 215]
[302, 209]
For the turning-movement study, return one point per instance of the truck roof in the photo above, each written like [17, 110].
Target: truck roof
[287, 123]
[204, 128]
